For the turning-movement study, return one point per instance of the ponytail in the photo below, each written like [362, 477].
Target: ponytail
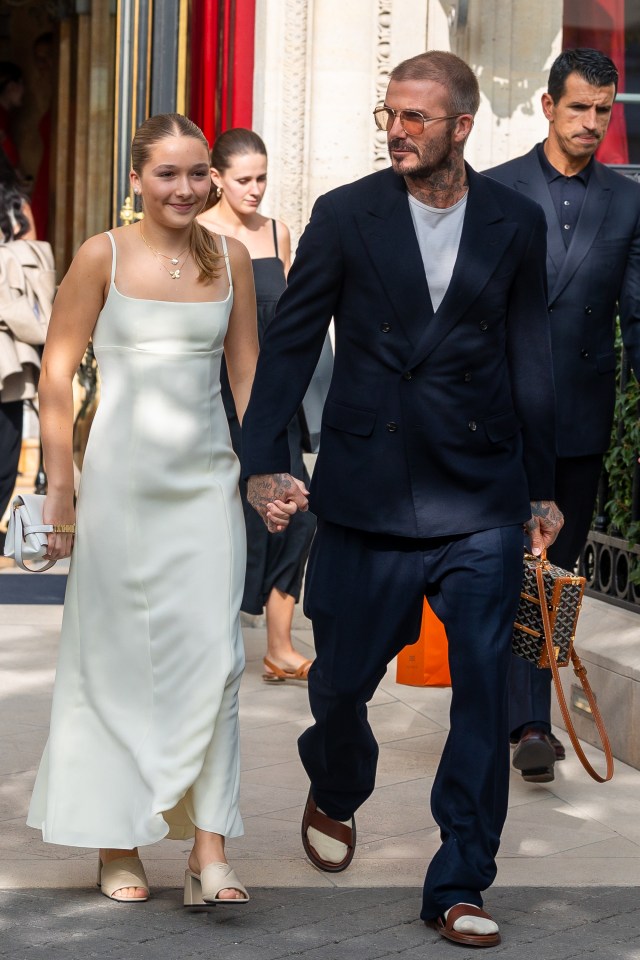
[205, 253]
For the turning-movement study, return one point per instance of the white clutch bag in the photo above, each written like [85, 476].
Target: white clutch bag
[26, 539]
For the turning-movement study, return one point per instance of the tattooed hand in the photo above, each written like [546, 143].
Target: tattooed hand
[276, 497]
[544, 526]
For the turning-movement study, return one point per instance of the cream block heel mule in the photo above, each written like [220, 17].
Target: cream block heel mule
[120, 873]
[203, 890]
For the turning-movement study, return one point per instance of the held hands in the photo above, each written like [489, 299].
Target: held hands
[276, 497]
[59, 509]
[544, 526]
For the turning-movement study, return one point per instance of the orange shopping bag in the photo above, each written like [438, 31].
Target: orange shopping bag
[426, 662]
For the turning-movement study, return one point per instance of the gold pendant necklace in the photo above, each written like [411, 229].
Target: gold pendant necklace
[174, 274]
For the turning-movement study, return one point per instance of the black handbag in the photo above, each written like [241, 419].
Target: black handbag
[544, 632]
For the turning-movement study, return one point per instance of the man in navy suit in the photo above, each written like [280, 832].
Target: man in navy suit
[437, 446]
[593, 267]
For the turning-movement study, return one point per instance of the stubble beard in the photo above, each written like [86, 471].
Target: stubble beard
[434, 162]
[583, 151]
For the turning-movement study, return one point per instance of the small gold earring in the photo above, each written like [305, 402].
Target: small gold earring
[218, 192]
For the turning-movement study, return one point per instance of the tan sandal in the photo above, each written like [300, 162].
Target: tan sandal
[334, 829]
[202, 889]
[445, 927]
[118, 874]
[278, 675]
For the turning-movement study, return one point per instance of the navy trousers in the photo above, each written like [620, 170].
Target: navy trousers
[364, 593]
[576, 490]
[10, 444]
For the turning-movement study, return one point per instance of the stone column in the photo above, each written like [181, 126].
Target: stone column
[282, 81]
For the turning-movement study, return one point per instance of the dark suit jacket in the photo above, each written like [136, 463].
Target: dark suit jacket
[435, 425]
[600, 270]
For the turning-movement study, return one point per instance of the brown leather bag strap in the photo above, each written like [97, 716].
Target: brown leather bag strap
[581, 674]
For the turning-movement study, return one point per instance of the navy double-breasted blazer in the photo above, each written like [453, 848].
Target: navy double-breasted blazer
[597, 274]
[435, 424]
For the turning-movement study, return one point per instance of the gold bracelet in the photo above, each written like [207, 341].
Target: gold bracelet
[64, 528]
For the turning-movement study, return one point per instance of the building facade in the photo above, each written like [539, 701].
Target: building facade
[322, 65]
[306, 74]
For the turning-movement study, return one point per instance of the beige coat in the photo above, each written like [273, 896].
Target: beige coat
[27, 286]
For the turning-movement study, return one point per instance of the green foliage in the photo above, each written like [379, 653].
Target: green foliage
[620, 463]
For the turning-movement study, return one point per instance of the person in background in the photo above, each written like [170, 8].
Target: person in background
[593, 270]
[275, 565]
[19, 363]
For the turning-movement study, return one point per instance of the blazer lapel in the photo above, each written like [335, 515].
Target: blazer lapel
[391, 241]
[532, 183]
[594, 210]
[485, 237]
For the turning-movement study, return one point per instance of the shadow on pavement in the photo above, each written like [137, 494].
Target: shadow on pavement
[317, 924]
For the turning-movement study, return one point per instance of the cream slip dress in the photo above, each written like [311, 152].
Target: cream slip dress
[144, 725]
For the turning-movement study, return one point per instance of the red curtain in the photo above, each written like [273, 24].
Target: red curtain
[222, 59]
[600, 24]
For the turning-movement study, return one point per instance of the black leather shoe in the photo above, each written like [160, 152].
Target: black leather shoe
[535, 756]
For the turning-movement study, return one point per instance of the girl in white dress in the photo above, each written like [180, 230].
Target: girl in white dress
[144, 726]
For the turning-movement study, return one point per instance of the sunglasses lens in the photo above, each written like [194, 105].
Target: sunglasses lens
[383, 118]
[412, 122]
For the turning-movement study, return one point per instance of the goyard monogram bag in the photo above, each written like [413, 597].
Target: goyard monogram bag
[543, 633]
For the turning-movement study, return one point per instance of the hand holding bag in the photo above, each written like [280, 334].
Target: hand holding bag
[543, 633]
[26, 539]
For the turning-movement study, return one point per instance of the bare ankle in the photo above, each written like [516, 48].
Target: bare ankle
[107, 854]
[207, 848]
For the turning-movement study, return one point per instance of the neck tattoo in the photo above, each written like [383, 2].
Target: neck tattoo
[174, 274]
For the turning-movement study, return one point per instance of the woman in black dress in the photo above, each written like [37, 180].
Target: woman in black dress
[275, 564]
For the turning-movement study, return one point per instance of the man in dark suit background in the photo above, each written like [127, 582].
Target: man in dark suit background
[437, 446]
[593, 266]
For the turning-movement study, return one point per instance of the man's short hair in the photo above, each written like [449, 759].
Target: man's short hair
[449, 71]
[592, 65]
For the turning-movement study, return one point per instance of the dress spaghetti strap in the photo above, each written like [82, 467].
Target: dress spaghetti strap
[113, 257]
[275, 237]
[226, 260]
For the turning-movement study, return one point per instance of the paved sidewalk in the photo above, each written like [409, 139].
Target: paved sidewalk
[569, 865]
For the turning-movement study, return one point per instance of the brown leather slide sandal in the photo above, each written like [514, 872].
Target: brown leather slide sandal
[445, 927]
[331, 828]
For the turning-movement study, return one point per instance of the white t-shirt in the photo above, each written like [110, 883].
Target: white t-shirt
[438, 231]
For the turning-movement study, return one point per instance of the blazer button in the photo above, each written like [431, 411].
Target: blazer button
[392, 427]
[588, 311]
[467, 378]
[473, 425]
[484, 325]
[385, 327]
[584, 354]
[408, 375]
